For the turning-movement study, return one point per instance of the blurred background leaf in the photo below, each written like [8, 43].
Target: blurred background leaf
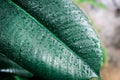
[92, 3]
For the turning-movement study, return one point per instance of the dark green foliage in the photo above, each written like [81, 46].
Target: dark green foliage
[53, 39]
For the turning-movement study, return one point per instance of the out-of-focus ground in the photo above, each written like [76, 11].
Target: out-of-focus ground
[107, 22]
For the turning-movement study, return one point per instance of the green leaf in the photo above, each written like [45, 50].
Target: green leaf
[93, 3]
[8, 70]
[69, 24]
[53, 39]
[9, 67]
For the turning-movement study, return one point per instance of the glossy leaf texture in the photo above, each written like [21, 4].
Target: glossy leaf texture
[69, 24]
[46, 47]
[9, 67]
